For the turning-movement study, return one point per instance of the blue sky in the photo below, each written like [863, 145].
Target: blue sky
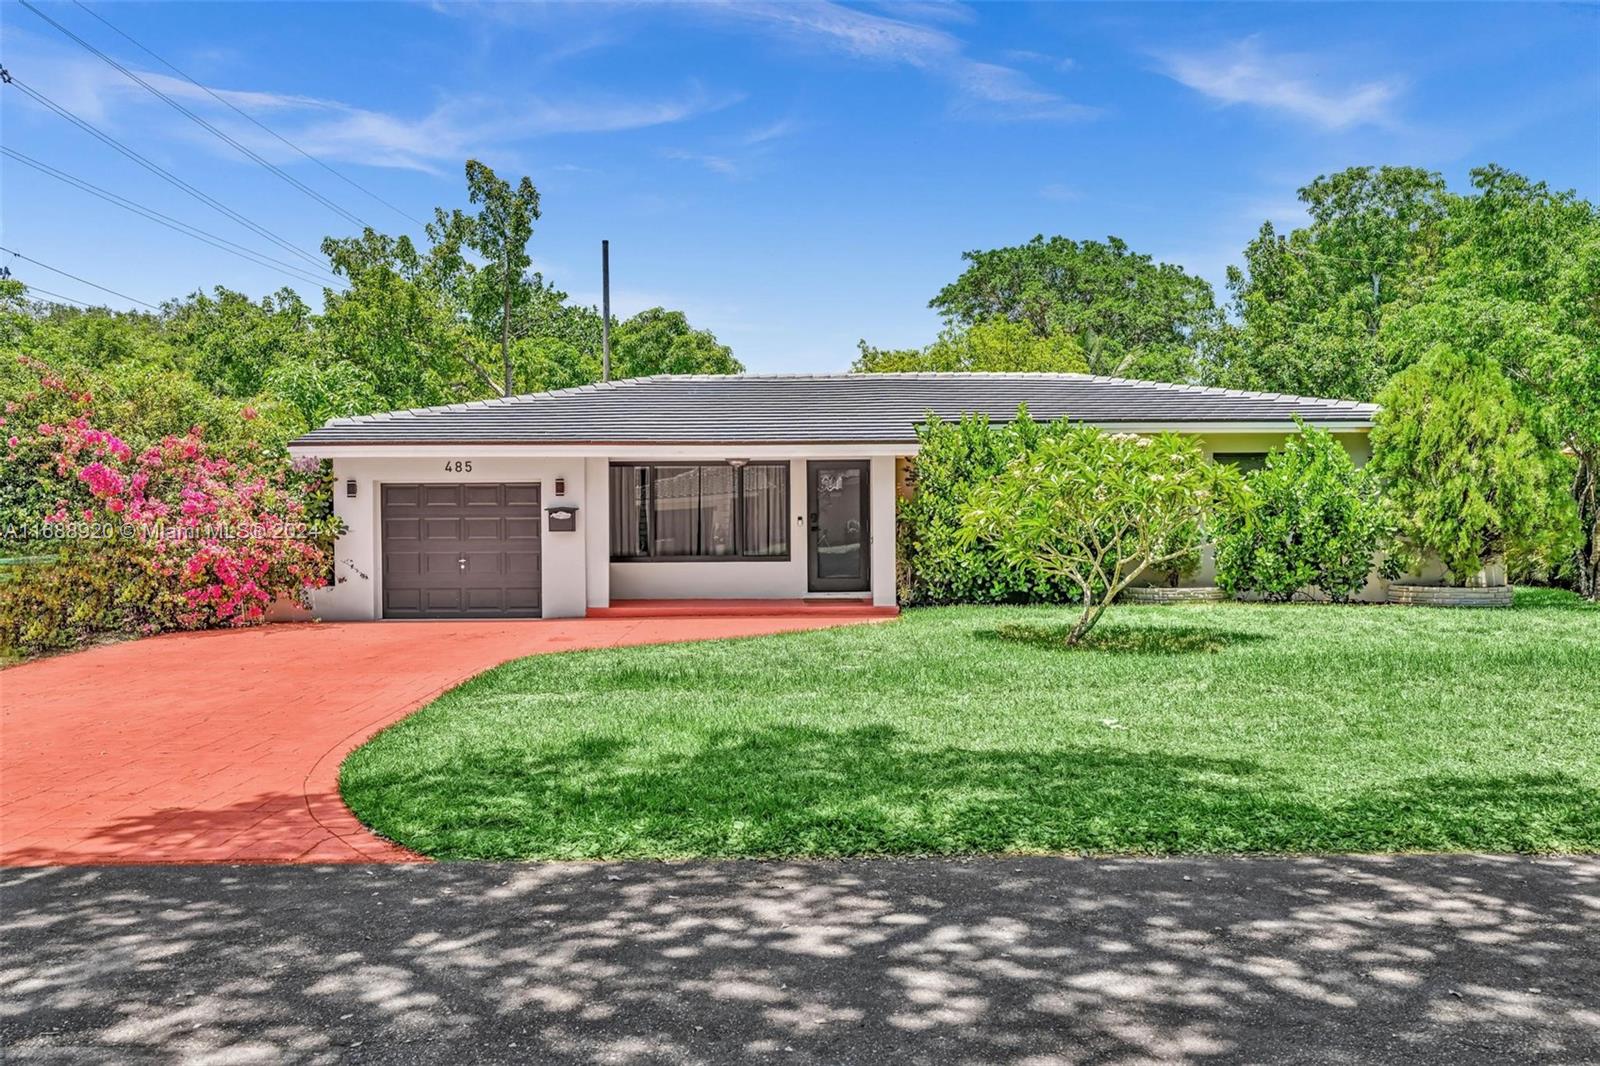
[794, 176]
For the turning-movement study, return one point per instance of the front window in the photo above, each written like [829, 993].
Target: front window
[1244, 462]
[699, 511]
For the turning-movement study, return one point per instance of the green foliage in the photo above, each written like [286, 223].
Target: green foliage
[1096, 510]
[659, 341]
[1309, 305]
[1133, 316]
[997, 345]
[1309, 519]
[938, 564]
[1462, 472]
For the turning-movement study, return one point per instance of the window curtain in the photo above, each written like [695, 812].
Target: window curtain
[765, 504]
[700, 512]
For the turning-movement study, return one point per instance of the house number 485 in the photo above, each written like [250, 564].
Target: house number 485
[458, 466]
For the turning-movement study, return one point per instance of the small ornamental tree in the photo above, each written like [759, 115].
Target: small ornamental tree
[1309, 519]
[1463, 476]
[1095, 510]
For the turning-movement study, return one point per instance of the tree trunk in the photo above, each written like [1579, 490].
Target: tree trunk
[505, 331]
[1586, 490]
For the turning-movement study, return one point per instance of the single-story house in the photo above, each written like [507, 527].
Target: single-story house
[698, 487]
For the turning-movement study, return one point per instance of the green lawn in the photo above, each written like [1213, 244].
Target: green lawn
[1184, 729]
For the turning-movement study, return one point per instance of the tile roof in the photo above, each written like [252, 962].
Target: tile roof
[801, 408]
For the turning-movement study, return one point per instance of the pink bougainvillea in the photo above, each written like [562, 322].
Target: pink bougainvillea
[197, 539]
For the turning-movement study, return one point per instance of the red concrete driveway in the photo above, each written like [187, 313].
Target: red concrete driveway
[225, 746]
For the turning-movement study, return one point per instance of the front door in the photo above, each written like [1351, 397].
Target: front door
[838, 555]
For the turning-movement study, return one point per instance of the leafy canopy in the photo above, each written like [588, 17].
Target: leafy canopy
[1097, 509]
[995, 345]
[1133, 316]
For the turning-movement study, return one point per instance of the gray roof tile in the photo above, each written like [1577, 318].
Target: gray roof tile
[800, 408]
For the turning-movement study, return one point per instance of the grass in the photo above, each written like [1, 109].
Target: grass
[1225, 728]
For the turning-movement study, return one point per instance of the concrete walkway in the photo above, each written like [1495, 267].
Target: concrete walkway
[1455, 960]
[224, 746]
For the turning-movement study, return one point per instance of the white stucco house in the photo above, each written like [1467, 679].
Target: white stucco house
[740, 487]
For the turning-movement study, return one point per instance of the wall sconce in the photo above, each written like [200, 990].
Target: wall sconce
[561, 486]
[350, 488]
[737, 463]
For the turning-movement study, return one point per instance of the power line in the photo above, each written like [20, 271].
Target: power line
[204, 236]
[53, 295]
[74, 277]
[199, 121]
[247, 116]
[11, 79]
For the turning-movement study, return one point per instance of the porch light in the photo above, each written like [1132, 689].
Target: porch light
[350, 488]
[737, 463]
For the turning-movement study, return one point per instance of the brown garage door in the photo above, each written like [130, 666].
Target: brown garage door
[461, 551]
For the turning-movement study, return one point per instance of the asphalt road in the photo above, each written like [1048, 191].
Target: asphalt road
[1422, 959]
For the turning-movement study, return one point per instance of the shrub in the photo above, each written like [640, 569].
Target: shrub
[937, 565]
[1463, 476]
[1308, 519]
[169, 536]
[1095, 510]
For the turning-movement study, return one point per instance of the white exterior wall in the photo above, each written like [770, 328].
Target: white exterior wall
[358, 557]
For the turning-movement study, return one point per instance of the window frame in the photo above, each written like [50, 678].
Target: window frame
[1235, 458]
[737, 556]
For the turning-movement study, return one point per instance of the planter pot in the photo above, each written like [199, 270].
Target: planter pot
[287, 609]
[1149, 594]
[1450, 595]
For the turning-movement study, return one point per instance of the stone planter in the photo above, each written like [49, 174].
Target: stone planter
[1157, 594]
[287, 609]
[1450, 595]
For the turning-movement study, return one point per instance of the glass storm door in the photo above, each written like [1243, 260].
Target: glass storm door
[838, 546]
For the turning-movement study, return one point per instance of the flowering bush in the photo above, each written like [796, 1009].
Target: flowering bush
[1097, 510]
[170, 535]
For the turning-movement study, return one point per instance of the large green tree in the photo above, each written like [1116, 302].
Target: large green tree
[995, 344]
[1519, 283]
[500, 234]
[1132, 315]
[659, 341]
[1309, 306]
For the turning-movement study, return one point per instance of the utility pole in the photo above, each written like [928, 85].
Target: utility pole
[605, 310]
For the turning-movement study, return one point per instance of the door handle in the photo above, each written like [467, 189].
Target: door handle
[462, 562]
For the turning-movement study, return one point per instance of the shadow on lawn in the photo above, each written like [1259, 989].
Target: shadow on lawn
[1115, 637]
[792, 790]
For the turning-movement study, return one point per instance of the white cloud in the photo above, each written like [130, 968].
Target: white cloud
[994, 90]
[455, 127]
[1246, 73]
[1059, 192]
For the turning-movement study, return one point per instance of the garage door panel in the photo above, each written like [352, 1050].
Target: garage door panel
[403, 599]
[482, 529]
[521, 563]
[482, 564]
[522, 495]
[439, 599]
[437, 565]
[398, 529]
[522, 529]
[402, 564]
[429, 529]
[441, 529]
